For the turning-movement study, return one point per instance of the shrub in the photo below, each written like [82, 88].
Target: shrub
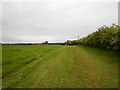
[105, 37]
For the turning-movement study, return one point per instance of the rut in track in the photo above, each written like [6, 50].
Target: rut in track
[67, 67]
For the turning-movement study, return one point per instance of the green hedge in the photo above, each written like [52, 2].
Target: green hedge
[105, 37]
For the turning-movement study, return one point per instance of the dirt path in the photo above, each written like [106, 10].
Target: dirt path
[67, 67]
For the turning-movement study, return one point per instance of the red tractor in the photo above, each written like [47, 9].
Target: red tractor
[69, 42]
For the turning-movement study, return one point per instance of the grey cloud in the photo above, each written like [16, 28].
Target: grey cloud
[54, 21]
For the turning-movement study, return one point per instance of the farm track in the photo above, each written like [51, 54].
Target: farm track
[66, 67]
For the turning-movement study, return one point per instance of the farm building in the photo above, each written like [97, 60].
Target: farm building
[45, 43]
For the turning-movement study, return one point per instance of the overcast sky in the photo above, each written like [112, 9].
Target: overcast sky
[54, 21]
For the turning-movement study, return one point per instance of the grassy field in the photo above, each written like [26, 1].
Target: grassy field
[17, 56]
[35, 66]
[0, 66]
[0, 61]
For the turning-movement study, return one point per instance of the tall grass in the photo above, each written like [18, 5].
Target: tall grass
[113, 56]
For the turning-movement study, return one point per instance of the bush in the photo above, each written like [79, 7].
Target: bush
[105, 37]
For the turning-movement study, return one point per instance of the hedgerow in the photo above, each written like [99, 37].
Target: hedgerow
[105, 37]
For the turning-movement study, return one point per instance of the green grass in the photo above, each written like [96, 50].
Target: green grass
[0, 66]
[16, 56]
[66, 67]
[105, 69]
[113, 57]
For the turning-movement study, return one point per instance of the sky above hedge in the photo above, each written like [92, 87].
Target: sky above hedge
[54, 21]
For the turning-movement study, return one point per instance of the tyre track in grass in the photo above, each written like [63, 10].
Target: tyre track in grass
[67, 67]
[67, 70]
[84, 71]
[12, 79]
[57, 71]
[106, 74]
[44, 73]
[62, 73]
[101, 57]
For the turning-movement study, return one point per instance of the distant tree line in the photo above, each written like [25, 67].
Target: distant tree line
[34, 43]
[105, 37]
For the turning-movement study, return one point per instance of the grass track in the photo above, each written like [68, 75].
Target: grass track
[66, 67]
